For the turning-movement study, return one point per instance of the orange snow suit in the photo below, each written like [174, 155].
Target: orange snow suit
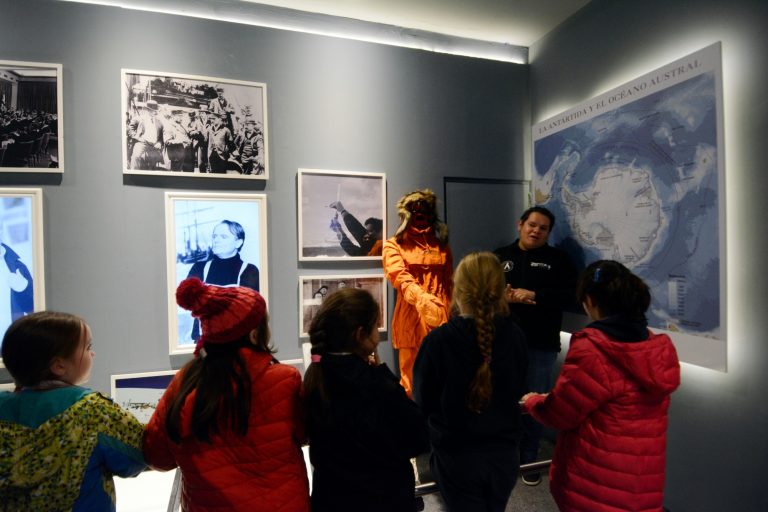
[420, 271]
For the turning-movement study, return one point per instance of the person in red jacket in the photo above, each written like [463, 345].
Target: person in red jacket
[611, 400]
[231, 417]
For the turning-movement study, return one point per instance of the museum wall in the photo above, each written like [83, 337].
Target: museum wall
[333, 104]
[717, 445]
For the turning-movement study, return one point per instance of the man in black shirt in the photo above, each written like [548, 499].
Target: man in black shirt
[541, 282]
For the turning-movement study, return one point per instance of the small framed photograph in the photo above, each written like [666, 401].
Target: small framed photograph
[197, 126]
[139, 393]
[31, 121]
[314, 289]
[342, 215]
[21, 250]
[220, 239]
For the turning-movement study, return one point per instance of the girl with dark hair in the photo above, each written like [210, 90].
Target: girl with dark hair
[231, 417]
[362, 427]
[610, 400]
[468, 378]
[60, 444]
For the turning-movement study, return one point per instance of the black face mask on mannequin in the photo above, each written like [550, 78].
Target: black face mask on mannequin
[421, 216]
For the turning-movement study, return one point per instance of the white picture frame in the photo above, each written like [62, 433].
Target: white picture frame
[139, 393]
[325, 233]
[311, 286]
[21, 248]
[157, 94]
[31, 102]
[192, 218]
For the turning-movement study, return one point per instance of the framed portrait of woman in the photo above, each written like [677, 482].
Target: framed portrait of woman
[21, 254]
[219, 238]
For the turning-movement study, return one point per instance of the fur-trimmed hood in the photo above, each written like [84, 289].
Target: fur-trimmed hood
[429, 197]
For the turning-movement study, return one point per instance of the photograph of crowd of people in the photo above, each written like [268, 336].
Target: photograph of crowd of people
[219, 238]
[207, 127]
[21, 256]
[341, 215]
[30, 117]
[314, 289]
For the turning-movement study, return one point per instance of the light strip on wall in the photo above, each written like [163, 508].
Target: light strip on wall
[248, 13]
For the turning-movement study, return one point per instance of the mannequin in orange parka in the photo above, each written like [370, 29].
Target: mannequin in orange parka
[418, 263]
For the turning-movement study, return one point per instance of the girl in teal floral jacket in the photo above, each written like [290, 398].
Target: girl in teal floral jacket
[60, 444]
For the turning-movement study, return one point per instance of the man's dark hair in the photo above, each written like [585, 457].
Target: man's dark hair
[543, 211]
[377, 224]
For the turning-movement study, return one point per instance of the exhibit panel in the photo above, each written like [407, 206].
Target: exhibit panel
[139, 393]
[637, 175]
[220, 239]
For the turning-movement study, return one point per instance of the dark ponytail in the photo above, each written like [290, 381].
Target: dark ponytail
[333, 330]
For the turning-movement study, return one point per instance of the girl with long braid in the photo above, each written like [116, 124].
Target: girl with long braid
[468, 377]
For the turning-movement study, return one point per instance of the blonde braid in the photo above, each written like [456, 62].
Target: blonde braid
[479, 289]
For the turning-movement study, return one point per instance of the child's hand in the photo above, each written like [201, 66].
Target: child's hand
[373, 359]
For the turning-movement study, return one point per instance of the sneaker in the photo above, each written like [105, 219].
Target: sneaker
[531, 479]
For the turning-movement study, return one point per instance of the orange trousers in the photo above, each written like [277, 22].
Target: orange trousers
[406, 358]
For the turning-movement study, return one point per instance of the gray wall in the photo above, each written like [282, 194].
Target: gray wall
[332, 104]
[717, 435]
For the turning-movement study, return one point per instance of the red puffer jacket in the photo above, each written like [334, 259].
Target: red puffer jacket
[610, 405]
[263, 471]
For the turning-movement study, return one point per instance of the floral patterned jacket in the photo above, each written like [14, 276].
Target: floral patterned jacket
[60, 448]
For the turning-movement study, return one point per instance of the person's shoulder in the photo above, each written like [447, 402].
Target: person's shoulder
[277, 371]
[505, 249]
[452, 329]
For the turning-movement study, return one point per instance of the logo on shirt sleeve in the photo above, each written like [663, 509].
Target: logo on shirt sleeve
[507, 265]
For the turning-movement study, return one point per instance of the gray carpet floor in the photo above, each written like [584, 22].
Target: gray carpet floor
[524, 498]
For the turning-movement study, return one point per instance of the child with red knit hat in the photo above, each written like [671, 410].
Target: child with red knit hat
[230, 419]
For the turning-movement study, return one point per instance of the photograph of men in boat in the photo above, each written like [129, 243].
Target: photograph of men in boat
[220, 241]
[194, 126]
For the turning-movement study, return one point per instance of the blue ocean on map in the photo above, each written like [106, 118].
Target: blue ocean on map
[639, 184]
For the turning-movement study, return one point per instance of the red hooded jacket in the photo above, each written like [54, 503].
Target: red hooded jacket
[263, 471]
[610, 406]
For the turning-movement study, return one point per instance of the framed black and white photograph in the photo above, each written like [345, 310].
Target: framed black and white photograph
[21, 246]
[31, 121]
[314, 289]
[196, 126]
[220, 239]
[341, 215]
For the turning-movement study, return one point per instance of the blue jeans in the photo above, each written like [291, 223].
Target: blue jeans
[540, 380]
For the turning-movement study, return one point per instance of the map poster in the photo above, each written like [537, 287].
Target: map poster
[637, 175]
